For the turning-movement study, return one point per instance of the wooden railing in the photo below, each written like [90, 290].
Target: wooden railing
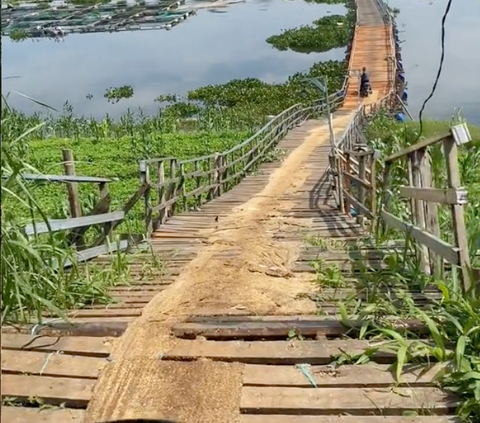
[352, 168]
[434, 249]
[179, 185]
[76, 226]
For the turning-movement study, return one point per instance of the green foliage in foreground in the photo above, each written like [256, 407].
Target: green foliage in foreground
[326, 33]
[453, 321]
[390, 136]
[31, 282]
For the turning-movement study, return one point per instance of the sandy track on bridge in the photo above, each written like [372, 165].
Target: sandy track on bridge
[137, 383]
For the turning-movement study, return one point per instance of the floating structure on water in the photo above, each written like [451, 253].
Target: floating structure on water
[59, 18]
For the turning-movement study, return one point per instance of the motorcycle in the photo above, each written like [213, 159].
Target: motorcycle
[365, 89]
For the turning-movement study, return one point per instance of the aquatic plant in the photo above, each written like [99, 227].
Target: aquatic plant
[326, 33]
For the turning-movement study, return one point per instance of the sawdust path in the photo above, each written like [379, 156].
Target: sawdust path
[137, 383]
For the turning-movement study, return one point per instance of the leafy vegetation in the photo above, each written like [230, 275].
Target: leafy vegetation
[33, 275]
[259, 98]
[402, 290]
[18, 35]
[115, 94]
[326, 33]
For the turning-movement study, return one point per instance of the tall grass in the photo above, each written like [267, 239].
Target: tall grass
[34, 280]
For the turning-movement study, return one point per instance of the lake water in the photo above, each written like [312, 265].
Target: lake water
[208, 48]
[458, 85]
[213, 48]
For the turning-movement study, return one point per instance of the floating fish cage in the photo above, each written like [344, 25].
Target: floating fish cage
[57, 19]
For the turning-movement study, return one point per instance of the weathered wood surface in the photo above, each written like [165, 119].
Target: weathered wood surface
[64, 369]
[272, 352]
[262, 418]
[42, 415]
[332, 400]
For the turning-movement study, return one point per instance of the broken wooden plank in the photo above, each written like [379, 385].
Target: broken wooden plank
[51, 364]
[102, 329]
[277, 327]
[273, 352]
[79, 345]
[49, 390]
[354, 401]
[370, 374]
[42, 415]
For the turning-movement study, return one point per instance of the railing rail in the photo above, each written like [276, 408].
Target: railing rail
[76, 226]
[179, 185]
[433, 247]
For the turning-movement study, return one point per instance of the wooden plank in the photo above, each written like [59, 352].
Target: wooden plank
[358, 401]
[79, 345]
[71, 329]
[274, 327]
[435, 244]
[418, 146]
[105, 312]
[371, 374]
[51, 390]
[78, 222]
[252, 418]
[93, 252]
[272, 352]
[42, 415]
[435, 195]
[51, 364]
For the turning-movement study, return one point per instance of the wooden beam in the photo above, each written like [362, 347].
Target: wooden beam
[442, 248]
[435, 195]
[415, 147]
[77, 222]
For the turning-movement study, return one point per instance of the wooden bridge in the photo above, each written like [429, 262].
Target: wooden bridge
[230, 331]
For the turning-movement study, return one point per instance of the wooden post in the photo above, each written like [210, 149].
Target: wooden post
[72, 187]
[217, 175]
[348, 187]
[105, 194]
[161, 193]
[145, 178]
[419, 210]
[181, 187]
[73, 197]
[340, 184]
[410, 164]
[172, 190]
[373, 183]
[225, 162]
[431, 215]
[198, 183]
[386, 196]
[361, 189]
[460, 232]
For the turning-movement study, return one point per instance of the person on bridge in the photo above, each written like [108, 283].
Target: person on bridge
[364, 81]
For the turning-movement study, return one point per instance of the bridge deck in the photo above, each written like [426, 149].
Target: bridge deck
[238, 279]
[372, 48]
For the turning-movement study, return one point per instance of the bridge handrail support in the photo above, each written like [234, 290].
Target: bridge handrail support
[77, 225]
[181, 185]
[355, 174]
